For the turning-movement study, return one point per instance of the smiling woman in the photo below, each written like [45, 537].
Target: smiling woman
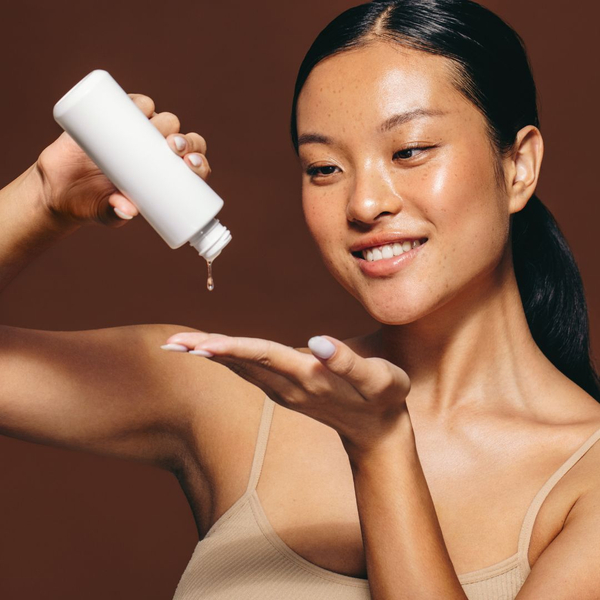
[416, 126]
[452, 452]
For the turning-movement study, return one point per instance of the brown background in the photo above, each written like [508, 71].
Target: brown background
[75, 525]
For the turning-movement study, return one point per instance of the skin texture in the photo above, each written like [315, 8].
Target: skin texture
[450, 398]
[463, 276]
[452, 321]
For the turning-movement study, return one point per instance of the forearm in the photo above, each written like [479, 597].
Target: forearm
[405, 551]
[27, 227]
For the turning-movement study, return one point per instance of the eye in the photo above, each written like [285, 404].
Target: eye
[411, 149]
[313, 171]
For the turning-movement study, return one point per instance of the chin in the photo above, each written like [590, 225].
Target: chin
[396, 311]
[399, 316]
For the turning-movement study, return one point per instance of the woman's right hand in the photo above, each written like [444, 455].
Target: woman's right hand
[77, 192]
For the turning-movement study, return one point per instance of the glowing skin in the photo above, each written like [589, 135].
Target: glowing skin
[447, 193]
[460, 288]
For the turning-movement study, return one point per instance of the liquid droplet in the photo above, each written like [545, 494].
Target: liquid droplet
[210, 284]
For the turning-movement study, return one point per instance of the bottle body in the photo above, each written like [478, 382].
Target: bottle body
[108, 126]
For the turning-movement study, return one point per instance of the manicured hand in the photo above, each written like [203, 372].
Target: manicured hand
[363, 399]
[76, 191]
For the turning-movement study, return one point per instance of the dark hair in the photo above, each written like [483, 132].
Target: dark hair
[490, 67]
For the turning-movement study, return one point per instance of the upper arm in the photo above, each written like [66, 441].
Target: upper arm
[109, 391]
[568, 567]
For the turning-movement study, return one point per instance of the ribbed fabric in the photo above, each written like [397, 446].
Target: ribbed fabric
[242, 558]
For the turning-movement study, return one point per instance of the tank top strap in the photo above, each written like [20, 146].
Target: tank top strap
[536, 503]
[261, 443]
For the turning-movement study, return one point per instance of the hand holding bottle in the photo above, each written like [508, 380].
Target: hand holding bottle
[76, 190]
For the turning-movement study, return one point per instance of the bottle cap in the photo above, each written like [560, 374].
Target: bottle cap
[211, 239]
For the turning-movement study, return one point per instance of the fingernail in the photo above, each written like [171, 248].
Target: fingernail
[195, 159]
[201, 353]
[320, 346]
[179, 142]
[175, 347]
[122, 214]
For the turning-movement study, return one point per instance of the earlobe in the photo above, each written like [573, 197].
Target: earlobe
[527, 159]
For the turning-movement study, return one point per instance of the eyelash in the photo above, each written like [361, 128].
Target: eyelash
[313, 171]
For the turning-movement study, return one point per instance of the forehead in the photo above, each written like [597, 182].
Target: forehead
[370, 83]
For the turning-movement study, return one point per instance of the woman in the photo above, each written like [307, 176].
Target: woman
[449, 454]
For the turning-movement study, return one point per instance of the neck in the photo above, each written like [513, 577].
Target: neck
[476, 345]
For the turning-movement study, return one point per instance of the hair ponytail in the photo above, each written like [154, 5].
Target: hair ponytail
[552, 294]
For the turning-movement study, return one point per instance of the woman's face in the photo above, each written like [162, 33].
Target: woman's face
[361, 182]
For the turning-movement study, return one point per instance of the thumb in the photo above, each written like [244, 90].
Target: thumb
[118, 210]
[370, 376]
[322, 346]
[342, 360]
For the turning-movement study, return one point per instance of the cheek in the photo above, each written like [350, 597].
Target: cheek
[325, 217]
[463, 202]
[322, 216]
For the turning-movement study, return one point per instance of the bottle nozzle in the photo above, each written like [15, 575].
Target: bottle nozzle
[211, 239]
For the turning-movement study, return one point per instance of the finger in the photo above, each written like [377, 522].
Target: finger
[144, 103]
[122, 206]
[189, 339]
[276, 385]
[283, 360]
[166, 122]
[279, 388]
[198, 163]
[184, 144]
[371, 377]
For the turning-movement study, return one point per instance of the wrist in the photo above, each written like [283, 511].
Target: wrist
[34, 188]
[399, 440]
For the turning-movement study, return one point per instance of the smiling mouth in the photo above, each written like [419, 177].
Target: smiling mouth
[388, 250]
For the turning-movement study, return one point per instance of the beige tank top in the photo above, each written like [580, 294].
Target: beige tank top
[242, 557]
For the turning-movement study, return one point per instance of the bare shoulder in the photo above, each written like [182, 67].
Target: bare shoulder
[573, 552]
[585, 476]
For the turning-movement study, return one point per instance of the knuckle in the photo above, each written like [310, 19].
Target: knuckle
[173, 119]
[264, 360]
[293, 399]
[197, 142]
[313, 387]
[346, 366]
[385, 380]
[144, 102]
[263, 355]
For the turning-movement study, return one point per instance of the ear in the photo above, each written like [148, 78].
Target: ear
[524, 167]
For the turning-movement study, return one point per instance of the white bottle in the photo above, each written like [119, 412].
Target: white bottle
[109, 127]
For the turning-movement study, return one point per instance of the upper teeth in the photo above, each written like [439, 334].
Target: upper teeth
[389, 250]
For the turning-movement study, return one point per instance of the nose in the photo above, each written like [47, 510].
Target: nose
[372, 196]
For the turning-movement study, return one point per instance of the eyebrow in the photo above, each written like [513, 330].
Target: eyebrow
[393, 121]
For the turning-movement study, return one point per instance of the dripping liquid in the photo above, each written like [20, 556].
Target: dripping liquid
[210, 284]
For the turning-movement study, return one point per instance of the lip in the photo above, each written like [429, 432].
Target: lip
[385, 238]
[388, 266]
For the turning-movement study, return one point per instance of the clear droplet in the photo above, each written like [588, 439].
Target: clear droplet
[210, 283]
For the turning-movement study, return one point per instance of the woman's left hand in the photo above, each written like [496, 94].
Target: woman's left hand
[363, 399]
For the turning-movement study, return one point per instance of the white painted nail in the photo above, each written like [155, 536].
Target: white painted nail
[122, 214]
[175, 347]
[201, 353]
[195, 159]
[179, 142]
[320, 346]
